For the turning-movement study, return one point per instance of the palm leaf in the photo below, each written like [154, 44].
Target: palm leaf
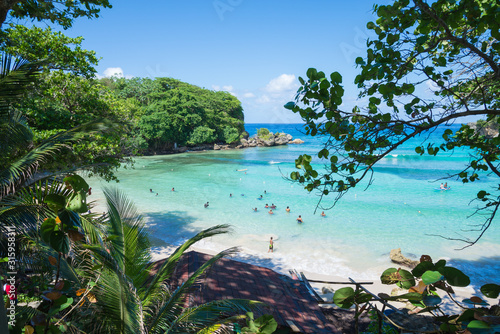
[172, 309]
[166, 270]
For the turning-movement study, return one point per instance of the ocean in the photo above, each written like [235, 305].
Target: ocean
[402, 208]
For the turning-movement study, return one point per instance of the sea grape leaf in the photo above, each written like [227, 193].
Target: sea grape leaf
[59, 241]
[76, 182]
[430, 277]
[455, 277]
[69, 219]
[491, 290]
[431, 300]
[79, 202]
[55, 201]
[48, 226]
[344, 297]
[422, 267]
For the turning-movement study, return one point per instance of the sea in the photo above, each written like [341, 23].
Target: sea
[402, 207]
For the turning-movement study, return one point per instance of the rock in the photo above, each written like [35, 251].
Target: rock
[252, 144]
[240, 146]
[244, 142]
[399, 258]
[281, 140]
[296, 141]
[326, 290]
[289, 137]
[216, 147]
[269, 142]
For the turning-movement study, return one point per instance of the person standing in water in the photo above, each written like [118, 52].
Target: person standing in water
[271, 246]
[299, 220]
[287, 209]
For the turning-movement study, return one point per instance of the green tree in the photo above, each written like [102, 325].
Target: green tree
[452, 46]
[61, 13]
[59, 101]
[201, 134]
[57, 50]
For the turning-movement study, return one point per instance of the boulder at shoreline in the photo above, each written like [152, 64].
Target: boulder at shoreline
[399, 258]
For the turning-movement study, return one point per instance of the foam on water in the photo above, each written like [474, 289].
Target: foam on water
[400, 209]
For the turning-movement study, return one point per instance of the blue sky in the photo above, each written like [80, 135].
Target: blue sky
[254, 49]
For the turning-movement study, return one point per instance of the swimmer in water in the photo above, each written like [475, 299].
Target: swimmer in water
[299, 220]
[271, 212]
[266, 206]
[287, 209]
[323, 214]
[173, 189]
[273, 206]
[255, 209]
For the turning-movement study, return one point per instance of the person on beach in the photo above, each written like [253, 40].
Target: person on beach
[323, 214]
[299, 220]
[271, 212]
[271, 246]
[287, 209]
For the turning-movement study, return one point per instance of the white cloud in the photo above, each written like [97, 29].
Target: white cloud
[284, 82]
[227, 88]
[432, 86]
[215, 87]
[113, 72]
[248, 95]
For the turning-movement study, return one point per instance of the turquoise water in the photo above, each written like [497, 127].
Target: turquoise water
[402, 208]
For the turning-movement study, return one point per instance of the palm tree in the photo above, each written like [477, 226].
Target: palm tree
[129, 300]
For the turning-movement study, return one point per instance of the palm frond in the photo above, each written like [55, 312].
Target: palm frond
[212, 313]
[166, 270]
[172, 309]
[128, 237]
[17, 172]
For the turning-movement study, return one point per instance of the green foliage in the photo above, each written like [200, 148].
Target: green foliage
[60, 101]
[262, 325]
[173, 112]
[452, 46]
[231, 134]
[427, 278]
[62, 14]
[59, 51]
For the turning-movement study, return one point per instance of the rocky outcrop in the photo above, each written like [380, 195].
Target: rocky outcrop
[489, 130]
[270, 140]
[296, 141]
[399, 258]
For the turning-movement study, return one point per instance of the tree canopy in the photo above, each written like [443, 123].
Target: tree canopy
[450, 46]
[60, 12]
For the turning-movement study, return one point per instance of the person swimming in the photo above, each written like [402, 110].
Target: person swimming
[205, 205]
[271, 212]
[287, 209]
[273, 206]
[173, 189]
[254, 209]
[299, 220]
[323, 214]
[267, 206]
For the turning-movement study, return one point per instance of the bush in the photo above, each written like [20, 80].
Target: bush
[231, 135]
[201, 135]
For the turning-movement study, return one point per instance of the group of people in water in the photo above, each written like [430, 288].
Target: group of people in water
[444, 186]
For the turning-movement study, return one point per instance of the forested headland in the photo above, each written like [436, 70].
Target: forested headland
[154, 116]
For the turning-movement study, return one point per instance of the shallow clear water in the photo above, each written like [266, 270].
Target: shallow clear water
[402, 208]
